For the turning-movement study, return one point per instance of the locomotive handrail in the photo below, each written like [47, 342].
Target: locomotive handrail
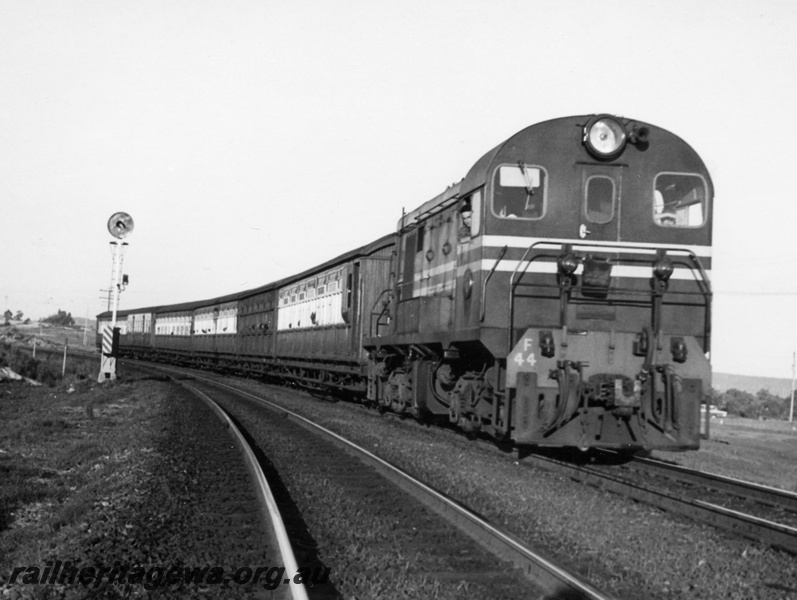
[703, 279]
[378, 314]
[512, 285]
[486, 281]
[430, 212]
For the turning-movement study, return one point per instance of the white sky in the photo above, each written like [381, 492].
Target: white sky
[251, 139]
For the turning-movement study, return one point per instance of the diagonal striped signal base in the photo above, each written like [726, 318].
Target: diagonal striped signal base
[108, 364]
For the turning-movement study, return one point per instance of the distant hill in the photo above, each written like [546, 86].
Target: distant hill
[81, 321]
[747, 383]
[47, 335]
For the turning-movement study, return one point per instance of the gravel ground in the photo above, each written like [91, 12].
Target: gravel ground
[606, 538]
[377, 541]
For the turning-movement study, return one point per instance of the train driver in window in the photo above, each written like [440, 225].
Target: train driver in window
[667, 219]
[663, 215]
[466, 221]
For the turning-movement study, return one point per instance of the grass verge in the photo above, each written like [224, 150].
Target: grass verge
[68, 453]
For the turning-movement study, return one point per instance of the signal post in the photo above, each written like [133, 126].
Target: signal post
[120, 225]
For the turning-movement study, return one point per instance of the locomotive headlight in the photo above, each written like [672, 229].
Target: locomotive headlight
[663, 268]
[567, 263]
[605, 136]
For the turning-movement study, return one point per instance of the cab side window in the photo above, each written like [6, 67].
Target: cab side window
[519, 192]
[469, 216]
[679, 200]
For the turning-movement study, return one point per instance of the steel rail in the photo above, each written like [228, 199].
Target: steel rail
[768, 532]
[745, 489]
[542, 571]
[777, 535]
[272, 514]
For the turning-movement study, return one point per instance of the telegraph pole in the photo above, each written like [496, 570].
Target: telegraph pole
[120, 225]
[107, 295]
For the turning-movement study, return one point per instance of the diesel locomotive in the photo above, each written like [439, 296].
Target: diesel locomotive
[558, 295]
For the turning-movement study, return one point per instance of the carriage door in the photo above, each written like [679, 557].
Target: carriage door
[350, 308]
[601, 196]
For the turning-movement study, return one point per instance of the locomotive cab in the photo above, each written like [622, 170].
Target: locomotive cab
[603, 293]
[559, 294]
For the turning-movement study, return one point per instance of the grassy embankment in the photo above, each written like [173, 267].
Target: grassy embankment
[69, 450]
[760, 451]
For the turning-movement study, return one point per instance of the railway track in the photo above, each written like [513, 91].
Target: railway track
[212, 518]
[460, 547]
[767, 495]
[766, 515]
[761, 513]
[278, 535]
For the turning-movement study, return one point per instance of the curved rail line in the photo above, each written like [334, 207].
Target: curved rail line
[767, 532]
[271, 511]
[542, 571]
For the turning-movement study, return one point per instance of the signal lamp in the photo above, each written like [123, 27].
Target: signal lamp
[605, 136]
[120, 225]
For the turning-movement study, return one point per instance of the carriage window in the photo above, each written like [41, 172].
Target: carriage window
[519, 192]
[599, 200]
[679, 200]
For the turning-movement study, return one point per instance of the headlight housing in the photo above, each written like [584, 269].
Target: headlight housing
[605, 137]
[663, 268]
[567, 263]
